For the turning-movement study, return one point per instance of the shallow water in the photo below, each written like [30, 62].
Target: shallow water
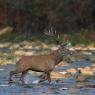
[32, 87]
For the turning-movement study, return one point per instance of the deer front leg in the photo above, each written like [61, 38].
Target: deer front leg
[44, 77]
[48, 77]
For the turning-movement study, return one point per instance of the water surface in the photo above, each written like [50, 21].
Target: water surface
[62, 87]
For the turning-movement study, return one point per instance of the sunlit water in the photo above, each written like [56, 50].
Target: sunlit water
[32, 87]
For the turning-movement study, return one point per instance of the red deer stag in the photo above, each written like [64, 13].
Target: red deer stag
[40, 63]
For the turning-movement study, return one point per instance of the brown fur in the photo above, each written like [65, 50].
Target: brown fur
[40, 63]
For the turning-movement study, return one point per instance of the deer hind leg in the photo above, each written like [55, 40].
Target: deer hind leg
[13, 73]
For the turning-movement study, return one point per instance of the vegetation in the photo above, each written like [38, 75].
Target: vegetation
[30, 19]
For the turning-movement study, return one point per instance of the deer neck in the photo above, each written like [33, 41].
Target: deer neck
[57, 57]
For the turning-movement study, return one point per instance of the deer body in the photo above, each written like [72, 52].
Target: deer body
[40, 63]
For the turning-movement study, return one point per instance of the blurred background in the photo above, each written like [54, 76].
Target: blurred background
[50, 21]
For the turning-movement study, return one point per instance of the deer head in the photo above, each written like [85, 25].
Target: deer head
[64, 49]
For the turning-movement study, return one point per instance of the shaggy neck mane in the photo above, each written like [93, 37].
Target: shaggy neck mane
[57, 56]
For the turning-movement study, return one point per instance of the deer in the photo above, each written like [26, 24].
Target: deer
[40, 63]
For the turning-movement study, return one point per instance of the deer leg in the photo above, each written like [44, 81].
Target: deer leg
[11, 74]
[23, 75]
[48, 77]
[43, 78]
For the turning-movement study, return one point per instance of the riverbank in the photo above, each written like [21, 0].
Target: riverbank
[10, 53]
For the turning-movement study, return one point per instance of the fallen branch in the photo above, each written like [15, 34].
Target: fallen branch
[6, 30]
